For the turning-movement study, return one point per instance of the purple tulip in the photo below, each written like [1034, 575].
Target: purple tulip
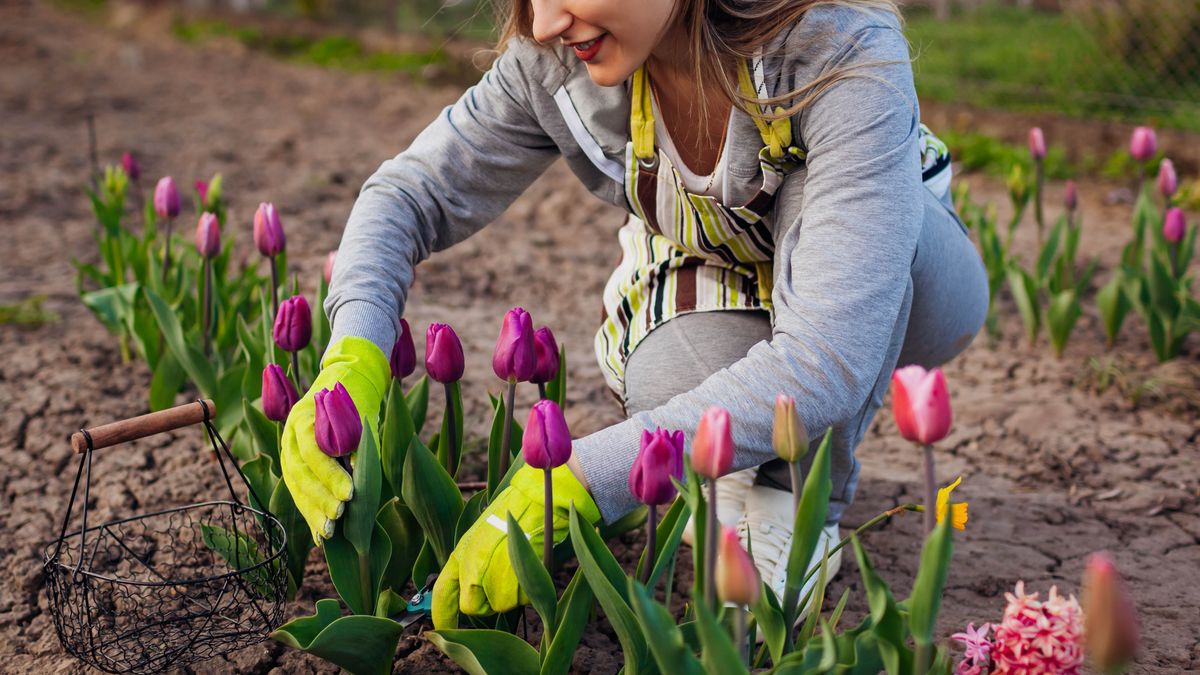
[545, 349]
[131, 166]
[278, 393]
[293, 324]
[1071, 196]
[1037, 143]
[660, 459]
[1174, 226]
[208, 235]
[328, 271]
[546, 443]
[443, 354]
[166, 198]
[268, 231]
[338, 427]
[404, 353]
[1168, 180]
[1143, 144]
[514, 359]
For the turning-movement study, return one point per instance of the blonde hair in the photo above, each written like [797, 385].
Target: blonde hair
[723, 31]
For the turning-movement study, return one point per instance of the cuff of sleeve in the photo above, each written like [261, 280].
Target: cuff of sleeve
[360, 318]
[606, 458]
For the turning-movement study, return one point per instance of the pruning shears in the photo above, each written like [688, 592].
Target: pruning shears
[419, 605]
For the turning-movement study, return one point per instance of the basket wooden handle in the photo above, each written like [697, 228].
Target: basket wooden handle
[143, 426]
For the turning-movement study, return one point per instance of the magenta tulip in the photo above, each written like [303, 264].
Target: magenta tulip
[546, 443]
[278, 393]
[712, 449]
[1071, 196]
[404, 353]
[1174, 225]
[208, 235]
[293, 324]
[1143, 144]
[328, 271]
[202, 191]
[514, 358]
[546, 351]
[268, 231]
[1037, 143]
[1110, 625]
[659, 460]
[443, 354]
[166, 198]
[338, 427]
[921, 404]
[130, 164]
[737, 576]
[1168, 180]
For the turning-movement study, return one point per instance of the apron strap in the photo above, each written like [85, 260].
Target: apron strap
[777, 134]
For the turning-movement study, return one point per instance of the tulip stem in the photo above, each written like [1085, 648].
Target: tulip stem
[541, 391]
[930, 487]
[451, 432]
[797, 486]
[508, 417]
[710, 547]
[274, 286]
[1037, 204]
[739, 634]
[548, 527]
[651, 543]
[296, 370]
[207, 303]
[167, 251]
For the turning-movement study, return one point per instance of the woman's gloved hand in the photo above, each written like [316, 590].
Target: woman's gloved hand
[478, 578]
[319, 486]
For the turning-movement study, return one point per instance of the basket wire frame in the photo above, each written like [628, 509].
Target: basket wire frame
[164, 589]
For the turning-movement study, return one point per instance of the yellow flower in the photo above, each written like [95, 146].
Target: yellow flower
[958, 512]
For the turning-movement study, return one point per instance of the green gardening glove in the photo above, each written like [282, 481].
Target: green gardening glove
[478, 578]
[318, 484]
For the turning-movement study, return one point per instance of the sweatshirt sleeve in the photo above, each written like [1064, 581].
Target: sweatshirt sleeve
[457, 176]
[844, 249]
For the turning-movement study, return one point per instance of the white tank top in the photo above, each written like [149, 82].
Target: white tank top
[714, 184]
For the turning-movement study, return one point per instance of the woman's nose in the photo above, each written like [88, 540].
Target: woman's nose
[549, 20]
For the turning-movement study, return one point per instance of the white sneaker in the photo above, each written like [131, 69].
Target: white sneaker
[731, 499]
[766, 530]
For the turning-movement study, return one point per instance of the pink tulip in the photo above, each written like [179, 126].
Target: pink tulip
[1174, 225]
[1071, 196]
[660, 459]
[130, 164]
[443, 354]
[278, 393]
[1168, 181]
[921, 404]
[737, 576]
[202, 191]
[1037, 143]
[546, 443]
[338, 427]
[712, 449]
[404, 353]
[545, 349]
[1143, 144]
[293, 324]
[514, 358]
[1110, 625]
[166, 198]
[328, 271]
[268, 231]
[789, 437]
[208, 235]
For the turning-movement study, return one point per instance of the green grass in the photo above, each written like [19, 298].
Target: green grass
[980, 152]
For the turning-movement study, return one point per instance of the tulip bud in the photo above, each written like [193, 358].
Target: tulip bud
[712, 449]
[1110, 626]
[1037, 143]
[546, 443]
[293, 324]
[131, 166]
[166, 198]
[1168, 181]
[208, 235]
[789, 437]
[1174, 226]
[921, 404]
[328, 271]
[404, 353]
[545, 349]
[278, 393]
[338, 427]
[1143, 144]
[1071, 196]
[514, 358]
[202, 192]
[737, 576]
[1018, 187]
[660, 459]
[443, 354]
[268, 231]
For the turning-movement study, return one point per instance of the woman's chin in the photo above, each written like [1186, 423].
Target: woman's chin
[606, 75]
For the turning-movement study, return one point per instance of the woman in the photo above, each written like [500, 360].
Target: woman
[790, 231]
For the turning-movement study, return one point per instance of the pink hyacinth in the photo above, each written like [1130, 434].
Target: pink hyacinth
[1038, 637]
[978, 649]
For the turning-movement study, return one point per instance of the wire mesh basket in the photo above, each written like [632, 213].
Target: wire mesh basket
[164, 589]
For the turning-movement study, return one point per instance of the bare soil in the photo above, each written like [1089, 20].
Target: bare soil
[1054, 467]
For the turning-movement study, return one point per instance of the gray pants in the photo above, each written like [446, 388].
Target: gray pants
[944, 311]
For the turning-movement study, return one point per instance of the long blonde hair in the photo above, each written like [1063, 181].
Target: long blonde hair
[722, 31]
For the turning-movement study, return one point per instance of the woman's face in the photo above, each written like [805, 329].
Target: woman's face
[628, 31]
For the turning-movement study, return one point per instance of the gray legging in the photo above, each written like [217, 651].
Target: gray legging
[945, 311]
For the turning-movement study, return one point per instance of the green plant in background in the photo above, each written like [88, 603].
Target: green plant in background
[27, 312]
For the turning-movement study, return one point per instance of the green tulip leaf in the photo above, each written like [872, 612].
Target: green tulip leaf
[433, 497]
[358, 578]
[320, 334]
[264, 432]
[769, 616]
[406, 538]
[166, 382]
[359, 520]
[240, 552]
[486, 652]
[556, 389]
[194, 364]
[532, 576]
[718, 654]
[668, 534]
[362, 645]
[573, 610]
[1061, 315]
[1113, 305]
[299, 539]
[448, 456]
[887, 624]
[927, 590]
[495, 446]
[670, 651]
[470, 513]
[810, 520]
[417, 399]
[398, 432]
